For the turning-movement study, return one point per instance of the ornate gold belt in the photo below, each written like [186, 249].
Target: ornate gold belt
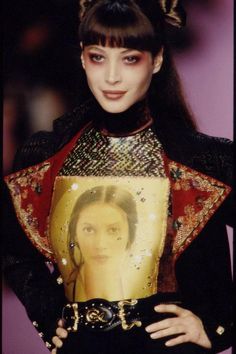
[102, 315]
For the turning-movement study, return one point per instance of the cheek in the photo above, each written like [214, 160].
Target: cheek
[122, 244]
[140, 78]
[93, 72]
[83, 243]
[85, 248]
[145, 77]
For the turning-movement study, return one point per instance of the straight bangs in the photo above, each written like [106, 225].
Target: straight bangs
[119, 26]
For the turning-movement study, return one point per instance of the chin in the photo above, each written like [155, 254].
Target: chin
[113, 110]
[114, 107]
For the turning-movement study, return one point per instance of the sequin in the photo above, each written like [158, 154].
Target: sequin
[74, 186]
[98, 155]
[59, 280]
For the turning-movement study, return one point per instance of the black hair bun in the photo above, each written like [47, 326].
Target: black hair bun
[171, 11]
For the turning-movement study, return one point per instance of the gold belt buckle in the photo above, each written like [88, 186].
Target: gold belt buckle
[121, 314]
[74, 307]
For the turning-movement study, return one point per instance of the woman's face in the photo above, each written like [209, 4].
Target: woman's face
[118, 77]
[102, 233]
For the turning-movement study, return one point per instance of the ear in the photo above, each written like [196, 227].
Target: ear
[158, 60]
[82, 55]
[82, 60]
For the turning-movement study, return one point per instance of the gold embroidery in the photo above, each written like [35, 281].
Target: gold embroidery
[30, 177]
[203, 195]
[21, 184]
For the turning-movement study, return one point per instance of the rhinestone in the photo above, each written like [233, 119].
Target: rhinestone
[59, 280]
[220, 330]
[74, 186]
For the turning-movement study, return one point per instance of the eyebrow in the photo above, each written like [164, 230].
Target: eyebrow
[123, 51]
[114, 224]
[90, 224]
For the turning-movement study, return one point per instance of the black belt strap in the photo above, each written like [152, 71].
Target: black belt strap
[102, 315]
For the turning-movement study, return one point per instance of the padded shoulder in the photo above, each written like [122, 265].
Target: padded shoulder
[210, 155]
[214, 156]
[36, 149]
[42, 145]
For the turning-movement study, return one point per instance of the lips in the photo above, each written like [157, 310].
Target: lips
[101, 258]
[113, 95]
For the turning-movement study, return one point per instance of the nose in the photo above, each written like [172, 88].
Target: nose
[113, 74]
[101, 241]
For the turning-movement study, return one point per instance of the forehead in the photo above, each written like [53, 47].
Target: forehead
[101, 211]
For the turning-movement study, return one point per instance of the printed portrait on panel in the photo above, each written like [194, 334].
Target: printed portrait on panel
[107, 233]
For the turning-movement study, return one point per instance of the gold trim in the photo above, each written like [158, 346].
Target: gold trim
[121, 314]
[76, 317]
[21, 184]
[196, 213]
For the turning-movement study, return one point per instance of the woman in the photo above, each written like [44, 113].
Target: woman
[140, 127]
[101, 229]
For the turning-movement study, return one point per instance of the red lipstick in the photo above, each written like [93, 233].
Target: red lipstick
[113, 94]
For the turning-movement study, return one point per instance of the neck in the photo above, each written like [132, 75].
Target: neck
[130, 122]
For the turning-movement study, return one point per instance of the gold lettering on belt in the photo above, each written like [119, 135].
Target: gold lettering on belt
[95, 315]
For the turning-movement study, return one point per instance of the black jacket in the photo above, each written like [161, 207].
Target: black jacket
[203, 271]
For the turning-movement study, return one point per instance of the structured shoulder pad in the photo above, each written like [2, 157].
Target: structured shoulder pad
[43, 144]
[215, 156]
[38, 147]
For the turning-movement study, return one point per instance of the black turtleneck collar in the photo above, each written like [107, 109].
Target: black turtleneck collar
[130, 122]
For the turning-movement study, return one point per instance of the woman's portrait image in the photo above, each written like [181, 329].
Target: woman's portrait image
[102, 226]
[107, 243]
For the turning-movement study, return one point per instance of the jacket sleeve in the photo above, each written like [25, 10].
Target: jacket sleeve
[25, 269]
[204, 277]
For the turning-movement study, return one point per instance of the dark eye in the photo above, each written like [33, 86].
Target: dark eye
[97, 58]
[89, 230]
[113, 231]
[131, 59]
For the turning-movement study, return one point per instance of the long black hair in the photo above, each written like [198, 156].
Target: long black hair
[141, 25]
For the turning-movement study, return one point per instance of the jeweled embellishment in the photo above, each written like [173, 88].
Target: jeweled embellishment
[98, 155]
[195, 199]
[220, 330]
[26, 187]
